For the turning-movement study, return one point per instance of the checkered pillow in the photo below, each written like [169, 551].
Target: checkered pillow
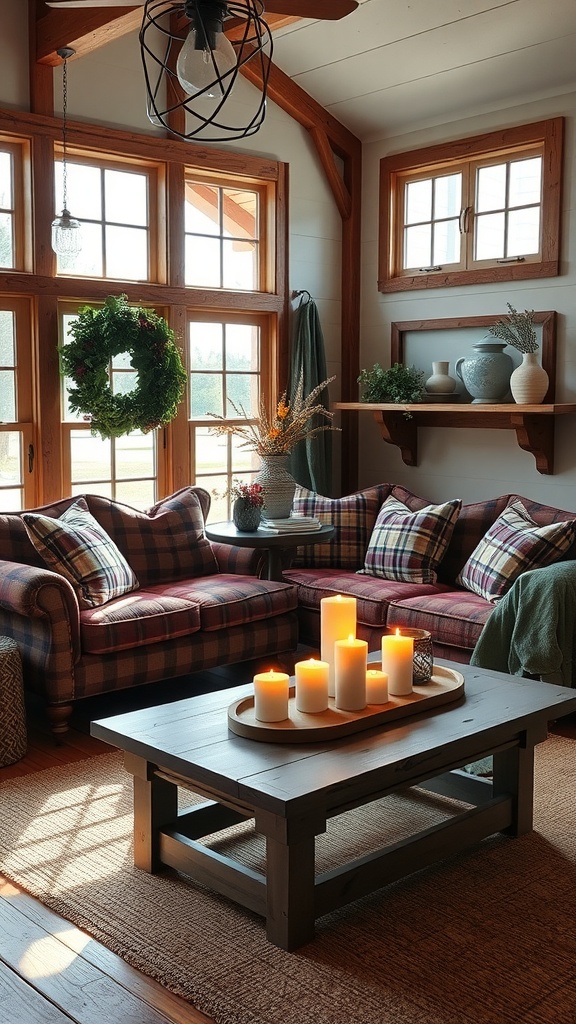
[408, 546]
[353, 519]
[76, 546]
[513, 545]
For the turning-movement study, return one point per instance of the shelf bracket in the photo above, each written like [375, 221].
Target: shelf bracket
[398, 430]
[536, 434]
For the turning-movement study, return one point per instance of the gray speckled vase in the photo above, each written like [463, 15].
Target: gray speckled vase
[486, 374]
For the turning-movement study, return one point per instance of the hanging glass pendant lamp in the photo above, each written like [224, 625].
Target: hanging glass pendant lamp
[66, 230]
[205, 66]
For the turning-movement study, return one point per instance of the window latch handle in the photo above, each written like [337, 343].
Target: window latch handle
[30, 458]
[427, 270]
[464, 220]
[512, 259]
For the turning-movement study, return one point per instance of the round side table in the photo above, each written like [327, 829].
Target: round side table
[13, 738]
[273, 544]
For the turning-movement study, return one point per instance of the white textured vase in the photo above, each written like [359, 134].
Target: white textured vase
[529, 381]
[279, 486]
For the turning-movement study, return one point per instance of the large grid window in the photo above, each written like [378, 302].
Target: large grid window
[228, 364]
[113, 204]
[14, 208]
[222, 236]
[493, 214]
[17, 443]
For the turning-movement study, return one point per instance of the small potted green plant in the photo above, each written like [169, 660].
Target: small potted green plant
[400, 384]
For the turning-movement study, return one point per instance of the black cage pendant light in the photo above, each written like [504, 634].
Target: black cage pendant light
[206, 66]
[66, 230]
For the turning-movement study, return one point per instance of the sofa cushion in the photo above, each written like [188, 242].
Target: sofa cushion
[166, 611]
[164, 544]
[455, 618]
[513, 545]
[78, 548]
[352, 517]
[372, 594]
[409, 546]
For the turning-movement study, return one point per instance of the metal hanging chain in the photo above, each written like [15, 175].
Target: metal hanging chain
[65, 52]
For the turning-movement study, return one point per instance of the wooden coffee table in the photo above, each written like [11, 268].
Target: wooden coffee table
[292, 789]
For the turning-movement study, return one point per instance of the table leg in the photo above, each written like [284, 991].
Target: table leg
[155, 805]
[290, 877]
[274, 565]
[513, 772]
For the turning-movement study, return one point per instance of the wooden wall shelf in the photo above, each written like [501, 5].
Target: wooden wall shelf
[534, 424]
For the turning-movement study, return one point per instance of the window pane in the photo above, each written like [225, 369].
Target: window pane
[138, 493]
[11, 461]
[126, 197]
[240, 265]
[6, 200]
[523, 232]
[7, 338]
[201, 209]
[206, 346]
[8, 396]
[242, 347]
[525, 182]
[418, 246]
[242, 389]
[418, 201]
[103, 488]
[84, 198]
[206, 395]
[447, 196]
[210, 452]
[6, 240]
[490, 236]
[491, 188]
[88, 262]
[11, 499]
[127, 253]
[135, 456]
[123, 382]
[91, 457]
[202, 262]
[446, 242]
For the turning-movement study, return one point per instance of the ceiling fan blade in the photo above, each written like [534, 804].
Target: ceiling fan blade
[323, 10]
[94, 3]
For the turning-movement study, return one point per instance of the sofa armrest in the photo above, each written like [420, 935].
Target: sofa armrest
[39, 610]
[236, 561]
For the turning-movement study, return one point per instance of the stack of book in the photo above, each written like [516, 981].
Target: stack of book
[294, 524]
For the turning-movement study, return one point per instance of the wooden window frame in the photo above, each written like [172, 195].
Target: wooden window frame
[25, 393]
[504, 143]
[19, 149]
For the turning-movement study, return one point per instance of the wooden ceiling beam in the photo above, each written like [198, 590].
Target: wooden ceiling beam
[84, 29]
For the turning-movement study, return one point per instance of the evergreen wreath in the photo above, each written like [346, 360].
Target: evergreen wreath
[99, 335]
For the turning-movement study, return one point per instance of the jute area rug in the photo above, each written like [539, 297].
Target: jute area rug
[487, 937]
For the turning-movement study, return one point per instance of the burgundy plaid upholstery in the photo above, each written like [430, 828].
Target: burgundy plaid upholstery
[167, 543]
[455, 617]
[173, 610]
[353, 519]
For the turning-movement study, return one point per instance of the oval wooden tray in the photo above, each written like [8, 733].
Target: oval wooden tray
[444, 687]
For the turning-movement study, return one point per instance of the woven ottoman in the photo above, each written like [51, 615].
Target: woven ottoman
[12, 711]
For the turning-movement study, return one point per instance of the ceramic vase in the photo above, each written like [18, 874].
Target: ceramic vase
[279, 486]
[529, 381]
[440, 383]
[246, 517]
[486, 374]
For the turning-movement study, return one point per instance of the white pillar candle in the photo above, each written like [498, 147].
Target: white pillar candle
[271, 696]
[350, 659]
[337, 622]
[376, 687]
[397, 658]
[311, 685]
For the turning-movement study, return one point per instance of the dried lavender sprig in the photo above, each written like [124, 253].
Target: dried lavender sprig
[516, 329]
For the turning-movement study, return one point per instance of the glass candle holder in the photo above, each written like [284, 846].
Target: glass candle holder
[422, 661]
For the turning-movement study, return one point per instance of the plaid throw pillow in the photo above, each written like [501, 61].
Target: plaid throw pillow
[353, 519]
[408, 546]
[76, 546]
[513, 545]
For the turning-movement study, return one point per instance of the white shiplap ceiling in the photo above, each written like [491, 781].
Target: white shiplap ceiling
[398, 65]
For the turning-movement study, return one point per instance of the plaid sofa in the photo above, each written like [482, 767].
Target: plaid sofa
[454, 616]
[197, 606]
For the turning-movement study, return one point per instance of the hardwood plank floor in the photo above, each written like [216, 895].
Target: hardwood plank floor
[50, 971]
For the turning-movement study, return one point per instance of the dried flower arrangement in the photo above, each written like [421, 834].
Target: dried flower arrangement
[517, 330]
[252, 494]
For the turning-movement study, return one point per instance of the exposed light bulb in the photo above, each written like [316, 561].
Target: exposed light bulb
[201, 62]
[66, 234]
